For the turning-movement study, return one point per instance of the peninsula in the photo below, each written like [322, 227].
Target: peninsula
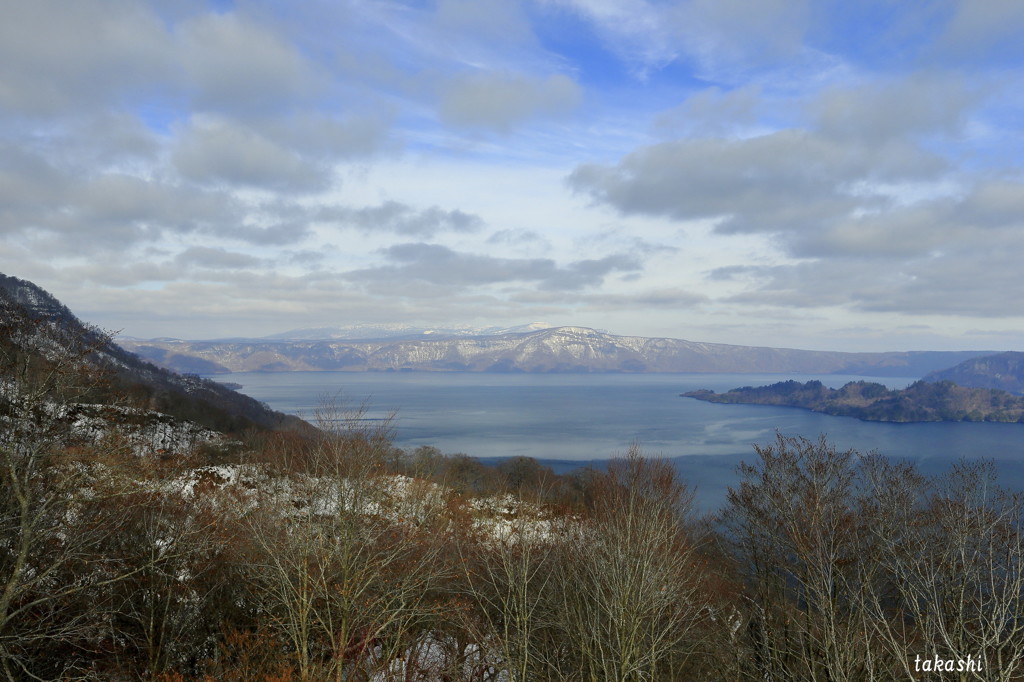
[922, 401]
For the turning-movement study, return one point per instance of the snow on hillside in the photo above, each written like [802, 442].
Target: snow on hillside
[394, 497]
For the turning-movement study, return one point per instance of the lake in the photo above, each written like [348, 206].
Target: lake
[571, 419]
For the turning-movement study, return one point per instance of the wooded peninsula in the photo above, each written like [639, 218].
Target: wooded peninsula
[922, 401]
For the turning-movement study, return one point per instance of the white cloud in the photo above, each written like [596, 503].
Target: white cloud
[215, 152]
[399, 218]
[216, 257]
[916, 105]
[782, 167]
[784, 181]
[711, 112]
[56, 55]
[433, 264]
[500, 101]
[239, 66]
[979, 31]
[486, 21]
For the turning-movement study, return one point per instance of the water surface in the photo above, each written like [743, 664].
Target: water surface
[596, 416]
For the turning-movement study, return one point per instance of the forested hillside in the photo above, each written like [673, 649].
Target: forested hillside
[922, 401]
[1004, 371]
[38, 334]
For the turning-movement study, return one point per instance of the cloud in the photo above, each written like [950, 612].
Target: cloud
[321, 136]
[872, 247]
[112, 273]
[711, 111]
[854, 162]
[438, 265]
[884, 109]
[94, 142]
[740, 32]
[952, 256]
[487, 21]
[870, 201]
[215, 152]
[669, 299]
[291, 152]
[236, 65]
[982, 32]
[500, 101]
[988, 212]
[514, 237]
[38, 197]
[977, 283]
[275, 233]
[40, 200]
[401, 219]
[55, 55]
[27, 182]
[216, 258]
[116, 199]
[783, 181]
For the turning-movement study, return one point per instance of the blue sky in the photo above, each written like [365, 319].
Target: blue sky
[790, 173]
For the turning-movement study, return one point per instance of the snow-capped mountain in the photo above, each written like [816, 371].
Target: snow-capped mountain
[558, 349]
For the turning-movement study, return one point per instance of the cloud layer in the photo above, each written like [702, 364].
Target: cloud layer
[786, 172]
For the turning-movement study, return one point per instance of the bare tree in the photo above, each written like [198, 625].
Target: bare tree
[955, 554]
[509, 571]
[346, 580]
[631, 578]
[58, 501]
[794, 527]
[168, 614]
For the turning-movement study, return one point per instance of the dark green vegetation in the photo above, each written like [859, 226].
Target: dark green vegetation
[329, 554]
[1004, 371]
[920, 402]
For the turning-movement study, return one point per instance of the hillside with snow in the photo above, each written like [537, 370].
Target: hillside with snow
[39, 334]
[556, 349]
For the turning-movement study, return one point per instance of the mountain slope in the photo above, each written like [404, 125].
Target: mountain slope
[40, 334]
[1003, 371]
[559, 349]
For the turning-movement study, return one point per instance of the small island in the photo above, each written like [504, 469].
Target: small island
[920, 402]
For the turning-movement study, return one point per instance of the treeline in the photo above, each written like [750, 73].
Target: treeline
[336, 556]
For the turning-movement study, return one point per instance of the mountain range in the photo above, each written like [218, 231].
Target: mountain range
[557, 349]
[535, 347]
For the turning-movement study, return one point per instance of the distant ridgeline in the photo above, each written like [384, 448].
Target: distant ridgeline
[922, 401]
[557, 349]
[1002, 370]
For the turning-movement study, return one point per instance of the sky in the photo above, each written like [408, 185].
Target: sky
[799, 173]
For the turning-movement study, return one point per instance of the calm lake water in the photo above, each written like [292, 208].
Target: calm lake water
[583, 417]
